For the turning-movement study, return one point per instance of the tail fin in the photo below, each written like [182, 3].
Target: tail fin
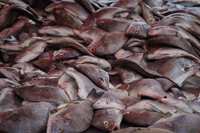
[94, 96]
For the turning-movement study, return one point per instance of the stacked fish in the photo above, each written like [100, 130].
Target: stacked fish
[99, 66]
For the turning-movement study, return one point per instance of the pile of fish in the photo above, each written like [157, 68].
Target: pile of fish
[99, 66]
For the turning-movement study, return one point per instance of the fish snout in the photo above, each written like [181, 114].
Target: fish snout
[115, 128]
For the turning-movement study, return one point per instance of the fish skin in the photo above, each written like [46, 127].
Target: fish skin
[41, 81]
[18, 120]
[157, 53]
[106, 12]
[111, 25]
[66, 53]
[10, 73]
[39, 93]
[138, 29]
[125, 3]
[65, 18]
[184, 123]
[97, 75]
[107, 119]
[31, 52]
[172, 41]
[141, 117]
[89, 34]
[8, 99]
[178, 69]
[76, 117]
[127, 75]
[32, 74]
[108, 43]
[56, 30]
[104, 64]
[142, 130]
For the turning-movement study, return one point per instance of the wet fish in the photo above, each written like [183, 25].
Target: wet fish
[75, 117]
[108, 43]
[111, 25]
[8, 99]
[167, 52]
[10, 73]
[107, 119]
[186, 123]
[56, 30]
[178, 69]
[41, 81]
[64, 54]
[31, 52]
[97, 75]
[42, 93]
[138, 29]
[89, 34]
[19, 119]
[65, 18]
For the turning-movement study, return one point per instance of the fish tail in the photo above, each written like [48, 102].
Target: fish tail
[94, 96]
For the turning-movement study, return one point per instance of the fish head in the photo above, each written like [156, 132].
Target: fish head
[58, 125]
[108, 119]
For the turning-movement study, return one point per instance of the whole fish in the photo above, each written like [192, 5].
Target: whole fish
[41, 81]
[31, 118]
[8, 99]
[107, 119]
[31, 52]
[141, 117]
[111, 25]
[64, 54]
[167, 52]
[184, 123]
[89, 34]
[75, 117]
[97, 75]
[138, 29]
[65, 18]
[142, 130]
[108, 43]
[56, 30]
[42, 93]
[104, 64]
[178, 69]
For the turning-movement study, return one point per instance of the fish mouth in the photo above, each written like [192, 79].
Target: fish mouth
[115, 128]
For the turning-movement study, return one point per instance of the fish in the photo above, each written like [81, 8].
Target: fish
[141, 117]
[89, 34]
[157, 53]
[138, 29]
[66, 53]
[97, 75]
[31, 52]
[178, 69]
[179, 123]
[103, 45]
[121, 53]
[41, 81]
[8, 99]
[111, 25]
[107, 119]
[39, 93]
[142, 130]
[65, 18]
[102, 63]
[57, 30]
[10, 73]
[19, 119]
[68, 84]
[75, 117]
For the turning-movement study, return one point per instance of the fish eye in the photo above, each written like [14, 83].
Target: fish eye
[101, 22]
[105, 122]
[57, 11]
[136, 31]
[124, 73]
[60, 129]
[101, 80]
[93, 50]
[61, 54]
[126, 113]
[34, 79]
[165, 96]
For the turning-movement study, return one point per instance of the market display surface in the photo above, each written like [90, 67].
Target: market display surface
[96, 66]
